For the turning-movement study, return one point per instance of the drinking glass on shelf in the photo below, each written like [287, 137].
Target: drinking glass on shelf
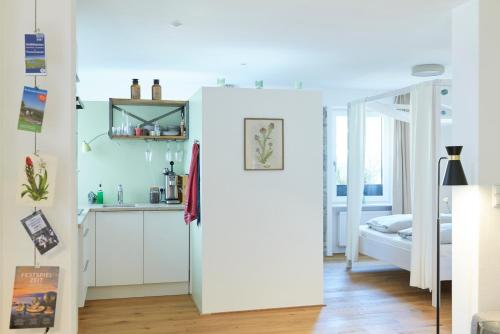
[169, 156]
[148, 153]
[179, 152]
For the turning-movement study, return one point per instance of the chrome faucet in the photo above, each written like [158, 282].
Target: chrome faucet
[120, 194]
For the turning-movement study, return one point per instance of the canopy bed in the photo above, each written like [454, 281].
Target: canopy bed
[416, 111]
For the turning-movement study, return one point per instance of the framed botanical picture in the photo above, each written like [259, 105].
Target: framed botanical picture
[264, 144]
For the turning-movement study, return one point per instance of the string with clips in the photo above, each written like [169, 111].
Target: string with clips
[35, 151]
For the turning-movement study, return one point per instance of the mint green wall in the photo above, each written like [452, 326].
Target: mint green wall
[114, 162]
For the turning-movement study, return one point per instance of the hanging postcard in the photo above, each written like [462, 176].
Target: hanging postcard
[34, 54]
[32, 109]
[40, 231]
[37, 174]
[35, 297]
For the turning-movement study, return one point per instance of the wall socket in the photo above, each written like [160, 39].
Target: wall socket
[495, 196]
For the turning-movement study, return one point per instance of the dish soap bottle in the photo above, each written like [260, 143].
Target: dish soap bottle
[156, 90]
[135, 90]
[100, 195]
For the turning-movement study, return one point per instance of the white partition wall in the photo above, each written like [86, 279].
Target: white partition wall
[261, 242]
[56, 20]
[476, 232]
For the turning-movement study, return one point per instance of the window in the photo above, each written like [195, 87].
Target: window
[378, 155]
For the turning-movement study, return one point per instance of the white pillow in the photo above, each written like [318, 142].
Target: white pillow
[390, 224]
[407, 233]
[446, 232]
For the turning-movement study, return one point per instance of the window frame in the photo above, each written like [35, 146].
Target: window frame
[387, 158]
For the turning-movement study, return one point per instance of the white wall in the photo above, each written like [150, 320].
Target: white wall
[56, 20]
[196, 231]
[262, 230]
[2, 108]
[476, 64]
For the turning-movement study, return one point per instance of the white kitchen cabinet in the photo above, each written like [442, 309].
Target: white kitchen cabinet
[166, 247]
[119, 248]
[86, 255]
[89, 238]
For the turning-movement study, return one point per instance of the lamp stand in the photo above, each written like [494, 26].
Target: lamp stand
[438, 248]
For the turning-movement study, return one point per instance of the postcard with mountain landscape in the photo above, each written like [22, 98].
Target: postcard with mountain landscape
[32, 109]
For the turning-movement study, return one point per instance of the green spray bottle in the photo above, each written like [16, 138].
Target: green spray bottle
[100, 195]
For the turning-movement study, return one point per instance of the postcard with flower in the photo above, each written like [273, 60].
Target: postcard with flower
[264, 144]
[37, 180]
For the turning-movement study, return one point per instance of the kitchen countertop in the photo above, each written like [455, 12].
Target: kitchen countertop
[136, 207]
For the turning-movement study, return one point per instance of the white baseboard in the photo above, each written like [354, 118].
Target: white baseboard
[144, 290]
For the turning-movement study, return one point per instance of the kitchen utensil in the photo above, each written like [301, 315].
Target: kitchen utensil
[92, 197]
[170, 133]
[154, 195]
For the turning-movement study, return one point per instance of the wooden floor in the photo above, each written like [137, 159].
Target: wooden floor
[373, 298]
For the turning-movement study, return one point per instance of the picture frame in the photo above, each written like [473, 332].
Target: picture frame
[264, 144]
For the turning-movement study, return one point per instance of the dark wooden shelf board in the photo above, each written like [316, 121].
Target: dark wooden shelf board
[180, 138]
[159, 103]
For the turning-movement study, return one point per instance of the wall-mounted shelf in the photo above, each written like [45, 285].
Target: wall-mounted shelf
[178, 138]
[169, 109]
[164, 103]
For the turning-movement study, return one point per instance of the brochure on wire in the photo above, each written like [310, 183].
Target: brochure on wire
[34, 54]
[40, 231]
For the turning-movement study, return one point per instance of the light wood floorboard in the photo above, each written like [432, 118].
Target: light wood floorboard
[373, 298]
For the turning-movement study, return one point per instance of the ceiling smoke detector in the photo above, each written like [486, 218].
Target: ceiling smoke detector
[176, 24]
[427, 70]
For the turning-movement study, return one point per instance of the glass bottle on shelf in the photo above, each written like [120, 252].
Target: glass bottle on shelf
[182, 125]
[157, 128]
[135, 90]
[156, 90]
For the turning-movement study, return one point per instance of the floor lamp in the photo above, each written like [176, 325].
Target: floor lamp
[454, 176]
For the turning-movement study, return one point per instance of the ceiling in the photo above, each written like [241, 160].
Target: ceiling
[326, 44]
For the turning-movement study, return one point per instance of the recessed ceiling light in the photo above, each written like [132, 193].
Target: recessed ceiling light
[176, 24]
[427, 70]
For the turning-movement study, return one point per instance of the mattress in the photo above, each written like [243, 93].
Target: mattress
[392, 249]
[390, 239]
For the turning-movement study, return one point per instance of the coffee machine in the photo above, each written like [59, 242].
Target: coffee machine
[171, 185]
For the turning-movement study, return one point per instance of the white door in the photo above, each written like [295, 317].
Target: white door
[119, 248]
[166, 247]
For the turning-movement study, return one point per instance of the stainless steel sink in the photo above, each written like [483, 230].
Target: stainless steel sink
[119, 206]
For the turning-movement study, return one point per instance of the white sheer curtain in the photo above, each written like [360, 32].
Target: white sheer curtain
[356, 114]
[401, 169]
[424, 131]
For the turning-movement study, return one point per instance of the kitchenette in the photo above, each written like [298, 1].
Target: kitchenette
[132, 178]
[254, 242]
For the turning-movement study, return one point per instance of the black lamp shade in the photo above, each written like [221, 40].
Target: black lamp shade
[455, 175]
